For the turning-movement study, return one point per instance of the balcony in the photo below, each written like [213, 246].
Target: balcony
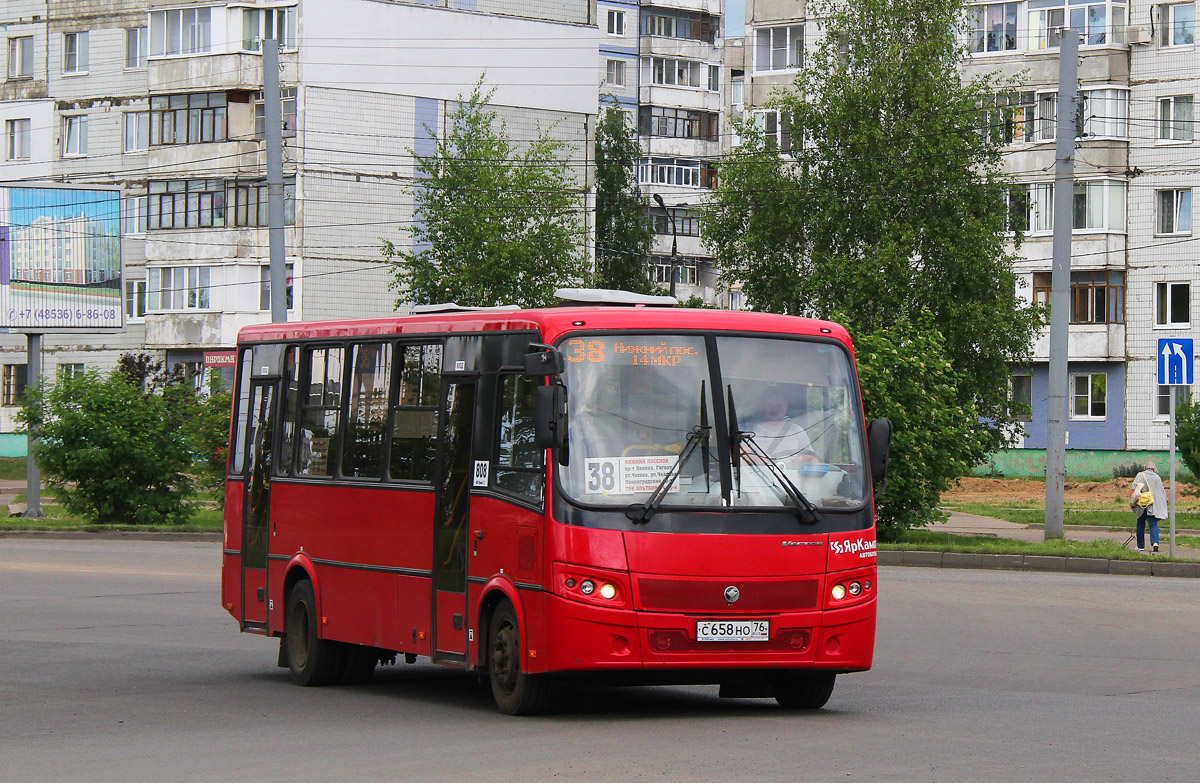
[240, 71]
[1086, 343]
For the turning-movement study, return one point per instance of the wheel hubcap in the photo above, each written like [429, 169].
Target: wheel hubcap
[504, 658]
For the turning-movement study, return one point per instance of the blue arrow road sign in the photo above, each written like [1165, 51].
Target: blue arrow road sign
[1175, 361]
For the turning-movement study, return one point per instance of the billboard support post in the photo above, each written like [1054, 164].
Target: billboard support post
[33, 476]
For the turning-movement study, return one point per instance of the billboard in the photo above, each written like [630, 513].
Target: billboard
[60, 259]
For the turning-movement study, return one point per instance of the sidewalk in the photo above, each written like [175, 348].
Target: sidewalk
[972, 525]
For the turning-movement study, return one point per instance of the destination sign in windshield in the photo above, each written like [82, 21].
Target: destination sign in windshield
[660, 353]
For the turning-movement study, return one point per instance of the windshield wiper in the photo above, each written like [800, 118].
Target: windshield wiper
[804, 507]
[640, 513]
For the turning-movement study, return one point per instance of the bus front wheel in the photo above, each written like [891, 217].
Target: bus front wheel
[516, 692]
[802, 690]
[312, 660]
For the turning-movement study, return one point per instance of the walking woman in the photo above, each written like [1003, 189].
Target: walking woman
[1149, 502]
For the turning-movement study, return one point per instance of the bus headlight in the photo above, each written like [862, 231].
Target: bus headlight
[587, 587]
[838, 592]
[608, 591]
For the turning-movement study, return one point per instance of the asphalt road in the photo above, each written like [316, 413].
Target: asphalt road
[117, 664]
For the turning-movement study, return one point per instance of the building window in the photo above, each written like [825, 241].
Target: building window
[16, 135]
[135, 300]
[246, 202]
[137, 131]
[178, 288]
[1047, 116]
[677, 123]
[14, 384]
[616, 23]
[675, 73]
[188, 119]
[1098, 23]
[1183, 396]
[20, 57]
[258, 24]
[75, 53]
[614, 74]
[68, 371]
[1045, 28]
[994, 27]
[774, 129]
[779, 48]
[685, 270]
[180, 31]
[137, 43]
[1172, 304]
[1175, 211]
[75, 135]
[1017, 211]
[287, 110]
[264, 286]
[1096, 297]
[686, 25]
[686, 223]
[1008, 118]
[1088, 396]
[676, 171]
[1099, 205]
[714, 78]
[1175, 118]
[133, 217]
[1105, 113]
[1040, 203]
[1021, 397]
[189, 203]
[1179, 21]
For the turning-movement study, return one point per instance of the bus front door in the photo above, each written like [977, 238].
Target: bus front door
[451, 520]
[256, 505]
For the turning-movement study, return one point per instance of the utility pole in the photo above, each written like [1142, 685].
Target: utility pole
[33, 476]
[1060, 281]
[273, 138]
[674, 242]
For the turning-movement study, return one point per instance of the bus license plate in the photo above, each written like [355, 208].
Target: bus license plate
[733, 630]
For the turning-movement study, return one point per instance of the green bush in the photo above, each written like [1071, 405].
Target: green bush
[906, 377]
[117, 447]
[1187, 434]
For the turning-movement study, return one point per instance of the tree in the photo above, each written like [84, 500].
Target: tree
[623, 234]
[118, 447]
[1187, 434]
[890, 207]
[906, 378]
[493, 224]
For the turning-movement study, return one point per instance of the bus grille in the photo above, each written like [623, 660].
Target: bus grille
[708, 595]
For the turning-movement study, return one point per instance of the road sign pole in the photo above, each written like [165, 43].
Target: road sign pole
[1171, 546]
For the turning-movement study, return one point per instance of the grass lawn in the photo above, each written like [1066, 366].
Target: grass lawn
[1114, 519]
[929, 541]
[203, 520]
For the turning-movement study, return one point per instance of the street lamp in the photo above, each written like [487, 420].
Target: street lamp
[674, 242]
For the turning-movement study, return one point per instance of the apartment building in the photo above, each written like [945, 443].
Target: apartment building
[677, 102]
[164, 101]
[1133, 268]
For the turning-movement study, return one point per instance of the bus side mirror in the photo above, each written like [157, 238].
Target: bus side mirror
[550, 426]
[544, 362]
[879, 447]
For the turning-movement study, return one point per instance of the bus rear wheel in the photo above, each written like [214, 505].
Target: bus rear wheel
[802, 690]
[516, 692]
[312, 660]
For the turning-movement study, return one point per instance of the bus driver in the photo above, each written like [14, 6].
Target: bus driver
[777, 435]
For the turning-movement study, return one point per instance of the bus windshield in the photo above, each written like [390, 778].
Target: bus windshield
[642, 418]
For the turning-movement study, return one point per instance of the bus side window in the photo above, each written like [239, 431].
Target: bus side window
[319, 412]
[238, 447]
[520, 465]
[415, 415]
[366, 423]
[291, 390]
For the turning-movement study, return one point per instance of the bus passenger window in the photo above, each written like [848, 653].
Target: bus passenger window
[520, 465]
[320, 412]
[414, 420]
[243, 403]
[367, 422]
[291, 390]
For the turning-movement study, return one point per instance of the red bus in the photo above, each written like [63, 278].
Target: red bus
[629, 494]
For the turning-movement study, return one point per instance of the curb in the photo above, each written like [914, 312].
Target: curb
[112, 535]
[1071, 565]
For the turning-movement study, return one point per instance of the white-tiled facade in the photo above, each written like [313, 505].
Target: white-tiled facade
[369, 78]
[1134, 276]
